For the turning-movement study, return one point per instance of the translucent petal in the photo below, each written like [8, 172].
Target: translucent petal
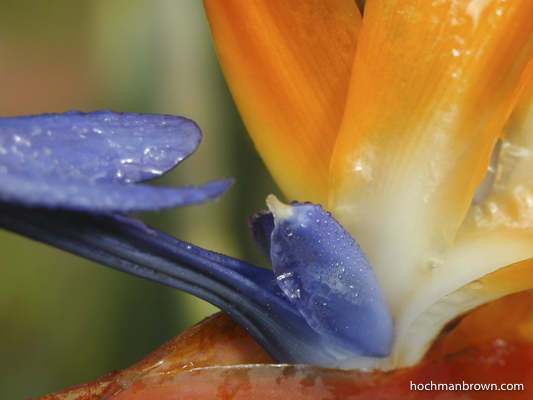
[288, 64]
[426, 327]
[515, 167]
[433, 84]
[497, 232]
[101, 146]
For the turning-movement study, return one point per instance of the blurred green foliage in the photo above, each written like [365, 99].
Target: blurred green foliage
[64, 320]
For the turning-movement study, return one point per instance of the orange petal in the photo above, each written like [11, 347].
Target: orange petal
[432, 85]
[287, 64]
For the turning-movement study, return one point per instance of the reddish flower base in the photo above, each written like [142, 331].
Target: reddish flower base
[218, 360]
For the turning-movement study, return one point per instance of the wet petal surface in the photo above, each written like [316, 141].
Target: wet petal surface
[102, 146]
[89, 162]
[325, 274]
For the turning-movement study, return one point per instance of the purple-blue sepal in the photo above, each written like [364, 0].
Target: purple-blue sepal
[91, 162]
[325, 274]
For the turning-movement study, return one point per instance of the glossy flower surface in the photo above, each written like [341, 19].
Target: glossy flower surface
[390, 121]
[92, 162]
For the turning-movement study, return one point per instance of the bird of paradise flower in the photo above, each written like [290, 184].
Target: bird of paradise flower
[390, 122]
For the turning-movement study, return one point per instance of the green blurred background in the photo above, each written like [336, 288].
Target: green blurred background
[64, 320]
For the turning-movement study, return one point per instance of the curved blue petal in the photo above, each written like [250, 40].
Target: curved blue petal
[325, 274]
[102, 146]
[244, 291]
[73, 194]
[90, 162]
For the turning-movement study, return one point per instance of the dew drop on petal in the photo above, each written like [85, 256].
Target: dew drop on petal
[324, 273]
[476, 285]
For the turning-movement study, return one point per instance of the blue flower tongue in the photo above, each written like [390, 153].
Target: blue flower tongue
[323, 271]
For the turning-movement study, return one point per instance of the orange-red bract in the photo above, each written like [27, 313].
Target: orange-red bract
[199, 364]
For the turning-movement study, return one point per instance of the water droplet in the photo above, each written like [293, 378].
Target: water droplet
[285, 276]
[475, 285]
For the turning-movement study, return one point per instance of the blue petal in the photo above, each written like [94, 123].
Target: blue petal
[325, 274]
[102, 146]
[89, 162]
[36, 191]
[244, 291]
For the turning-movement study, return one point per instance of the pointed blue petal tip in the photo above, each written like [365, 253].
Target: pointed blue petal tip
[325, 274]
[91, 162]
